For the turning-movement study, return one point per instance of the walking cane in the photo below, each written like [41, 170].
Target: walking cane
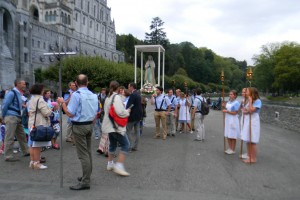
[222, 79]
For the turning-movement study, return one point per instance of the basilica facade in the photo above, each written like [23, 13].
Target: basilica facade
[30, 28]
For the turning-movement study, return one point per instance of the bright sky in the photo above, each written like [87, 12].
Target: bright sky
[230, 28]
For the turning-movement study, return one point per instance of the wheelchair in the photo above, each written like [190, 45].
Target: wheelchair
[217, 105]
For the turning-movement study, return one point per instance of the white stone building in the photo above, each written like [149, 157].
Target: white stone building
[29, 28]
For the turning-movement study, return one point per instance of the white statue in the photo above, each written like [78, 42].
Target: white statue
[149, 71]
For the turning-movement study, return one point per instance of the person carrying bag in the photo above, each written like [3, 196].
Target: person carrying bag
[38, 122]
[41, 133]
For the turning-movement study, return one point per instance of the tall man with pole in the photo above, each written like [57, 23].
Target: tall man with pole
[59, 58]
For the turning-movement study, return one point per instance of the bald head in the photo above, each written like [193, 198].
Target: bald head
[82, 80]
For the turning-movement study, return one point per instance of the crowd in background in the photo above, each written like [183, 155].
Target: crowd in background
[175, 111]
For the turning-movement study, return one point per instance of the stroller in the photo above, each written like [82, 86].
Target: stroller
[216, 105]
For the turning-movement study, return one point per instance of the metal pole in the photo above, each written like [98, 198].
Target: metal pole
[223, 116]
[61, 137]
[59, 58]
[222, 79]
[250, 132]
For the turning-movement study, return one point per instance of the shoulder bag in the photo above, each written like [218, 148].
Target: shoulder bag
[41, 133]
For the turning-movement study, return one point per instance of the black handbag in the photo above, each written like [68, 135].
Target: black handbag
[41, 133]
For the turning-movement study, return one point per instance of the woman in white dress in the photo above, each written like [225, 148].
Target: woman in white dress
[251, 129]
[184, 113]
[232, 124]
[243, 102]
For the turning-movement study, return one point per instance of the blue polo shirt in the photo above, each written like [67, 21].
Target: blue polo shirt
[161, 102]
[83, 105]
[173, 101]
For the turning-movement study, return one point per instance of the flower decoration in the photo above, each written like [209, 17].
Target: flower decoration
[148, 88]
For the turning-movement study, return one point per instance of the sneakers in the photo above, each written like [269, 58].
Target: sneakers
[110, 166]
[119, 169]
[37, 165]
[191, 132]
[229, 151]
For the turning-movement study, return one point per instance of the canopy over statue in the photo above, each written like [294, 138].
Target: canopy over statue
[149, 77]
[149, 71]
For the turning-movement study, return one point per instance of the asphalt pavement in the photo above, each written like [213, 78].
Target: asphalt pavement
[176, 168]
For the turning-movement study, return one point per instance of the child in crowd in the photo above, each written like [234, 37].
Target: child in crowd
[54, 119]
[2, 135]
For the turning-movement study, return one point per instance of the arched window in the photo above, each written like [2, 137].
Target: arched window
[62, 17]
[36, 14]
[46, 17]
[54, 17]
[51, 16]
[65, 19]
[101, 15]
[7, 31]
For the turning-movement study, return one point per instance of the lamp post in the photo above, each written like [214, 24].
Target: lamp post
[222, 80]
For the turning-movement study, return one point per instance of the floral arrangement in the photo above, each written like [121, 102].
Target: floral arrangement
[148, 88]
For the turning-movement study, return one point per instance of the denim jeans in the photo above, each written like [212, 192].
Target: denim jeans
[114, 139]
[97, 128]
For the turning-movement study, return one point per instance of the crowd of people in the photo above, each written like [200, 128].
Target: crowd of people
[88, 116]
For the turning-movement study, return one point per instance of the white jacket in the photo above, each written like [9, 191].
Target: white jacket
[107, 126]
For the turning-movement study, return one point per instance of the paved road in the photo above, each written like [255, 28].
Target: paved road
[177, 168]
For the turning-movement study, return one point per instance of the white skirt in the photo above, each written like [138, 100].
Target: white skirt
[232, 126]
[255, 128]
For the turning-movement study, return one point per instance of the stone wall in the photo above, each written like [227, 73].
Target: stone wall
[281, 116]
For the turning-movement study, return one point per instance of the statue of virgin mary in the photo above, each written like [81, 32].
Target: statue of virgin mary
[149, 71]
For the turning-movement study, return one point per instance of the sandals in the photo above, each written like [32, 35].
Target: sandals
[42, 160]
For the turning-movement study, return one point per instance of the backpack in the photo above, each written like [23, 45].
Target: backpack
[204, 107]
[114, 118]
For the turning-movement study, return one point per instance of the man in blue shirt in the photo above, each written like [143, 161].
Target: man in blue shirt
[12, 115]
[199, 118]
[82, 110]
[162, 109]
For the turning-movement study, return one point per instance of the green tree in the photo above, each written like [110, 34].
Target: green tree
[157, 34]
[263, 75]
[287, 69]
[99, 71]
